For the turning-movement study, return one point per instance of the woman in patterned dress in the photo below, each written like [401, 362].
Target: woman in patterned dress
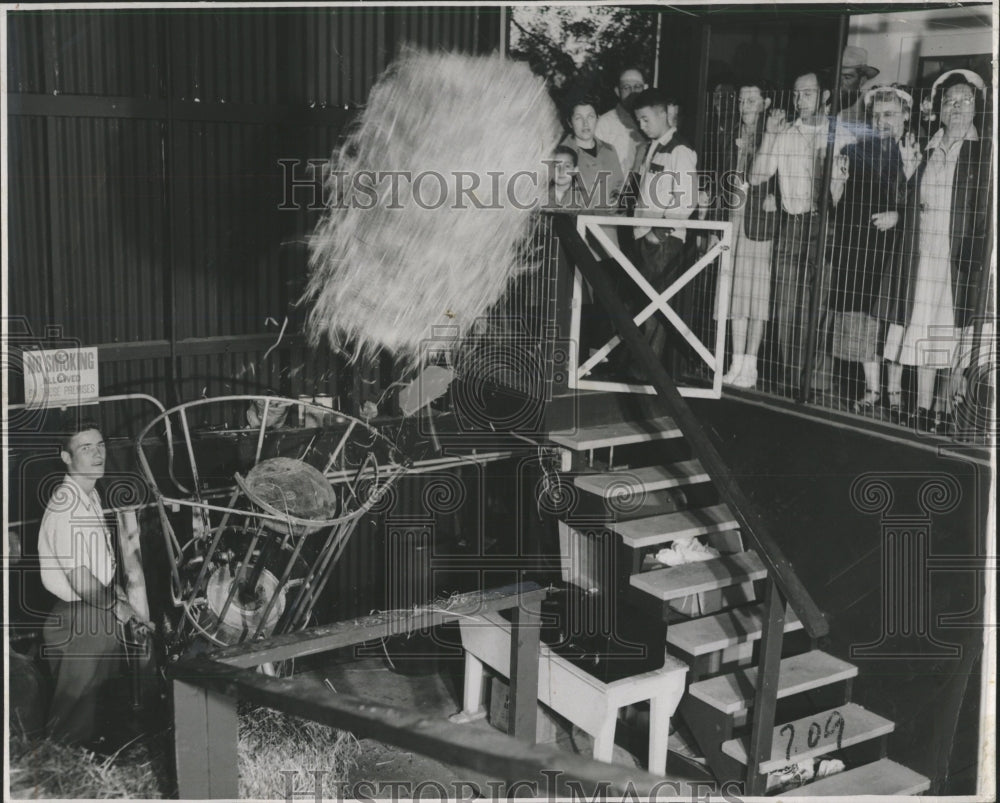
[947, 223]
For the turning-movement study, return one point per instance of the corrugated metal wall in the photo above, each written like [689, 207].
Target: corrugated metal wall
[146, 184]
[146, 180]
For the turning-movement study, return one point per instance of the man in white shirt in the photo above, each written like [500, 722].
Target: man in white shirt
[618, 127]
[77, 561]
[795, 151]
[667, 170]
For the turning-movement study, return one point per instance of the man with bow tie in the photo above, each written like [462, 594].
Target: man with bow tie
[667, 170]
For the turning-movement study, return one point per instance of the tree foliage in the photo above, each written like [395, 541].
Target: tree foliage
[580, 51]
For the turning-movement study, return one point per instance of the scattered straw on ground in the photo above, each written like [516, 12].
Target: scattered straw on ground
[41, 768]
[274, 750]
[278, 753]
[407, 259]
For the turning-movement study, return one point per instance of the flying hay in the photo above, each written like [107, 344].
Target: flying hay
[398, 260]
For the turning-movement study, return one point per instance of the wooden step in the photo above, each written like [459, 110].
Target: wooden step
[647, 478]
[713, 633]
[674, 582]
[792, 739]
[653, 530]
[618, 433]
[733, 693]
[654, 503]
[882, 777]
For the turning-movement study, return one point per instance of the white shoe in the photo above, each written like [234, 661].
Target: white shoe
[735, 369]
[747, 377]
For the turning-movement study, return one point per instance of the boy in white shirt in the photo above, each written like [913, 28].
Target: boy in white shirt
[77, 561]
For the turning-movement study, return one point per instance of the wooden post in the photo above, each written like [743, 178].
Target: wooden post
[129, 545]
[205, 733]
[766, 693]
[131, 553]
[522, 717]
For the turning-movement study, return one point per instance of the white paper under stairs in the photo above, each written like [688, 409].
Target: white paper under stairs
[815, 735]
[694, 578]
[713, 633]
[733, 693]
[654, 530]
[638, 480]
[882, 777]
[619, 433]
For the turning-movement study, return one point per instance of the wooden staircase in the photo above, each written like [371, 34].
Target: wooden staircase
[725, 617]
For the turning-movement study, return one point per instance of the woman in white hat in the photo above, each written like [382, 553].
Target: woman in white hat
[947, 222]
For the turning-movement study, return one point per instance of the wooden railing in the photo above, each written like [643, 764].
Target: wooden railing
[783, 584]
[710, 354]
[752, 524]
[206, 689]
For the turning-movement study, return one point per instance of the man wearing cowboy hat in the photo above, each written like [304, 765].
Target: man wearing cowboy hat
[854, 71]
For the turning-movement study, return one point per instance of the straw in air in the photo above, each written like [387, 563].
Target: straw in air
[392, 266]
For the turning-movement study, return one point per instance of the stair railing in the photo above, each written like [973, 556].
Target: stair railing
[783, 584]
[765, 698]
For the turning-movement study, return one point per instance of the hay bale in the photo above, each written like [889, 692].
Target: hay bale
[384, 277]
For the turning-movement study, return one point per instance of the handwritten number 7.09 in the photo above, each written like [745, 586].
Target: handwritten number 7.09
[834, 724]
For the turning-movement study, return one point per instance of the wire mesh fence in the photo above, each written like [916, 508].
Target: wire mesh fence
[515, 345]
[862, 250]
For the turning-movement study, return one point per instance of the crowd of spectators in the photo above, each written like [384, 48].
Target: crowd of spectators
[859, 225]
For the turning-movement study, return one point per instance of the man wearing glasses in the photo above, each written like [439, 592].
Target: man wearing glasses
[618, 127]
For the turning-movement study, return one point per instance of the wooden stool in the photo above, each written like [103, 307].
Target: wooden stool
[570, 691]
